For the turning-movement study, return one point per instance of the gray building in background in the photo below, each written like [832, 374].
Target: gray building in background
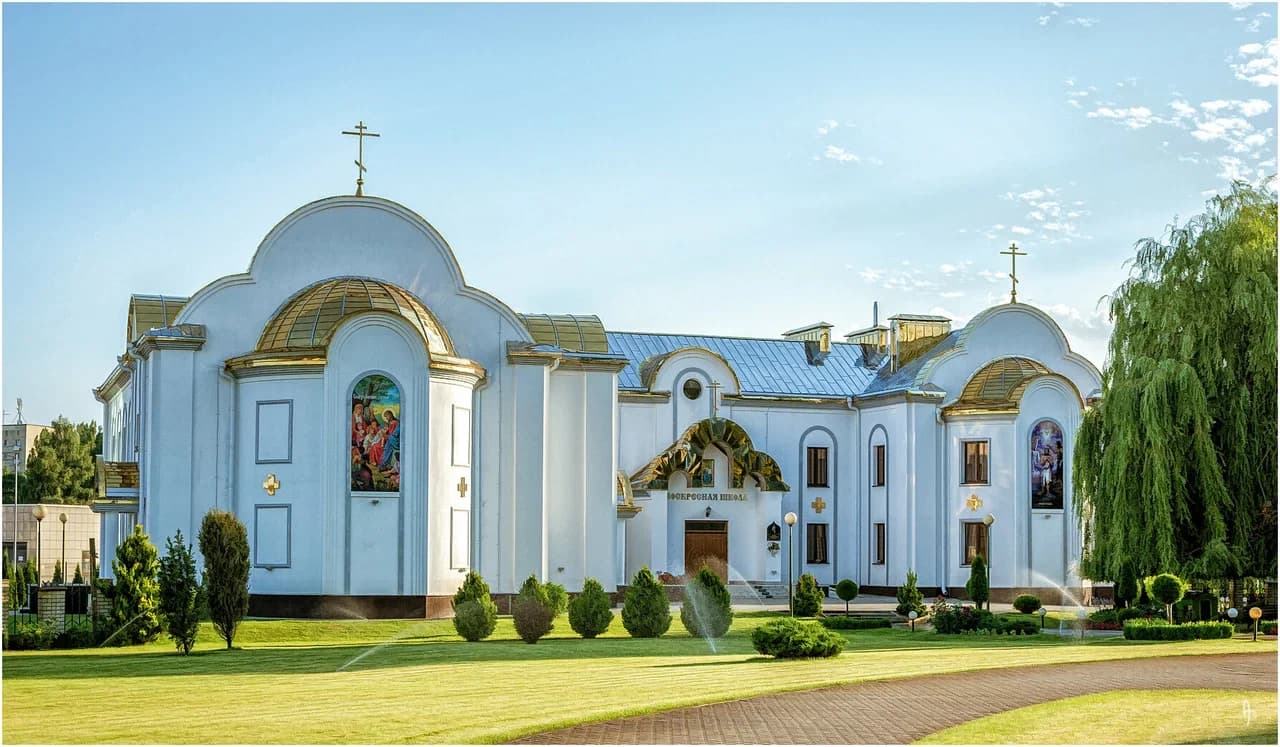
[81, 526]
[19, 439]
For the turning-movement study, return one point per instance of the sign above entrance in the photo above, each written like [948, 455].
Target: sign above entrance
[706, 496]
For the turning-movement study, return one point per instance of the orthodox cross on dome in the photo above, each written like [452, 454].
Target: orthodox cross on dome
[1013, 253]
[361, 134]
[818, 504]
[462, 488]
[715, 399]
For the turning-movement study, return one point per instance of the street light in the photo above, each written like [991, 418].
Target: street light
[1042, 612]
[39, 512]
[62, 517]
[912, 615]
[987, 521]
[1256, 614]
[790, 520]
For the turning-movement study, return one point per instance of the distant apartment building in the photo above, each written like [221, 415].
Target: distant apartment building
[19, 439]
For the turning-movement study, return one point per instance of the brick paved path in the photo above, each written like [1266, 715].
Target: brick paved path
[904, 710]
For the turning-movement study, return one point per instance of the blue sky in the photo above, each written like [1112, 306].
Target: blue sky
[722, 169]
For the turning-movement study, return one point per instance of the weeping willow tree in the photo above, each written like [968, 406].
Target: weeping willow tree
[1175, 469]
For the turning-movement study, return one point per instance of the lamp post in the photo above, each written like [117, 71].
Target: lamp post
[39, 512]
[1042, 612]
[790, 520]
[62, 517]
[1256, 614]
[987, 521]
[912, 615]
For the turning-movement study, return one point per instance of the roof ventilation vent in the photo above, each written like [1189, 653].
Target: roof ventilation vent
[816, 338]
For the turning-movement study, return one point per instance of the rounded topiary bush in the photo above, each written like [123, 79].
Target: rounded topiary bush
[1026, 603]
[707, 611]
[558, 597]
[475, 626]
[646, 613]
[590, 613]
[807, 601]
[847, 590]
[532, 611]
[1167, 589]
[789, 638]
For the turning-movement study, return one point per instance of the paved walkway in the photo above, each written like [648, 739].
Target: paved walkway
[904, 710]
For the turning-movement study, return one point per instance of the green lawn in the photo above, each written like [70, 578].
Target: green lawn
[416, 681]
[1129, 717]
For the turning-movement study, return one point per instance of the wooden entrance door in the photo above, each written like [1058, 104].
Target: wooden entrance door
[706, 543]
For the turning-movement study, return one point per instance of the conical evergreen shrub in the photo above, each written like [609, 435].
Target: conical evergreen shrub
[590, 613]
[181, 595]
[978, 587]
[807, 601]
[646, 613]
[909, 597]
[136, 603]
[57, 573]
[532, 611]
[470, 624]
[78, 578]
[225, 547]
[707, 611]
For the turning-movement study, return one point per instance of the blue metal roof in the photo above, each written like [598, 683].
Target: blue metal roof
[904, 378]
[763, 367]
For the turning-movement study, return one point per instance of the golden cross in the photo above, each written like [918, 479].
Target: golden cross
[1013, 274]
[973, 502]
[462, 488]
[818, 504]
[360, 133]
[271, 484]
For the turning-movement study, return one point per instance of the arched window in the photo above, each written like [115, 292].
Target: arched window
[375, 435]
[1047, 457]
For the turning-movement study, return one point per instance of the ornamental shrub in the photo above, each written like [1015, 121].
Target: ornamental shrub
[1159, 630]
[57, 573]
[17, 587]
[707, 611]
[136, 601]
[31, 636]
[225, 547]
[789, 638]
[807, 601]
[474, 627]
[1125, 591]
[1167, 589]
[590, 613]
[76, 633]
[532, 611]
[78, 578]
[847, 590]
[646, 613]
[856, 623]
[1026, 603]
[978, 587]
[181, 596]
[558, 596]
[909, 597]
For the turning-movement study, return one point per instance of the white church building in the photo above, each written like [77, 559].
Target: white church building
[381, 427]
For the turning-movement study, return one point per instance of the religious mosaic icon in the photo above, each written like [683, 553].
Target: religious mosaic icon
[375, 435]
[1046, 465]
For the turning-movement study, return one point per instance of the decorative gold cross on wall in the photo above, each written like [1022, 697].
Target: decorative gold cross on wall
[462, 488]
[973, 502]
[818, 504]
[272, 484]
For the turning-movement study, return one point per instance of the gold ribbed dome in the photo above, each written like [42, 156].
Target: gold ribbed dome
[999, 384]
[308, 320]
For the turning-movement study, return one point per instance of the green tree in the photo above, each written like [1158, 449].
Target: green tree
[136, 602]
[646, 612]
[25, 493]
[909, 597]
[17, 585]
[707, 611]
[57, 573]
[532, 611]
[479, 624]
[181, 596]
[807, 599]
[847, 590]
[978, 586]
[1167, 589]
[590, 612]
[225, 547]
[1175, 468]
[60, 467]
[78, 578]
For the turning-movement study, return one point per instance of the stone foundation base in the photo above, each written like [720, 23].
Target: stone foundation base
[336, 607]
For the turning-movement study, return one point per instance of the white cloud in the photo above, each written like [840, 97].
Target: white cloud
[1257, 63]
[992, 277]
[1134, 118]
[1083, 22]
[951, 294]
[870, 275]
[1021, 230]
[1238, 4]
[836, 153]
[826, 126]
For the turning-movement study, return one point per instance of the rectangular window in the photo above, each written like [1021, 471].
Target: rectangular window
[975, 462]
[877, 469]
[879, 556]
[975, 543]
[816, 543]
[818, 467]
[21, 549]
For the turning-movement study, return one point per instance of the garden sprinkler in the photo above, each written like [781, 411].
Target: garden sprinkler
[913, 615]
[1082, 614]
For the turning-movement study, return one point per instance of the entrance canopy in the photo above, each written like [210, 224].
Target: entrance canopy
[685, 455]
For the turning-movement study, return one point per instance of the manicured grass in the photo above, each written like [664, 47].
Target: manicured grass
[417, 681]
[1129, 717]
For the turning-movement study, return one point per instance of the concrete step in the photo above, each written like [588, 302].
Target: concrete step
[751, 592]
